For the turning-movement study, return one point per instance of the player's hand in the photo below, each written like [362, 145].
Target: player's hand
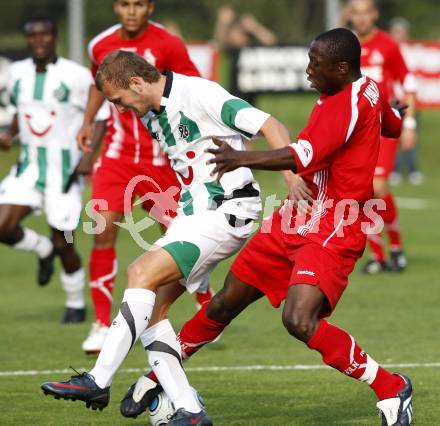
[84, 137]
[401, 108]
[225, 158]
[408, 139]
[6, 140]
[299, 194]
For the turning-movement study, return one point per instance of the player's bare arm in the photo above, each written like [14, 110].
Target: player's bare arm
[228, 159]
[7, 136]
[94, 102]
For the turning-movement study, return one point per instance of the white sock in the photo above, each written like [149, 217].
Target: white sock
[31, 241]
[73, 285]
[164, 356]
[132, 319]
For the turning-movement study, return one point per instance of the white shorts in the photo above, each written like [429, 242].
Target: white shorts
[62, 211]
[200, 241]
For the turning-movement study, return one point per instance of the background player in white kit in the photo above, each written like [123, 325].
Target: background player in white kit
[213, 219]
[49, 93]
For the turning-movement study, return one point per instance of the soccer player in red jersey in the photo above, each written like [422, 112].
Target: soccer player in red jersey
[129, 150]
[306, 259]
[382, 61]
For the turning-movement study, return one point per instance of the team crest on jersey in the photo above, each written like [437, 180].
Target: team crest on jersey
[61, 93]
[184, 131]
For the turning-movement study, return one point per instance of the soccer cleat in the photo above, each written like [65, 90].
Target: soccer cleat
[202, 298]
[184, 418]
[73, 316]
[398, 261]
[95, 340]
[81, 387]
[46, 268]
[374, 267]
[416, 178]
[139, 396]
[398, 411]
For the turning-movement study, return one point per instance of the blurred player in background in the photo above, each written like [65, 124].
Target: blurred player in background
[399, 29]
[382, 61]
[49, 93]
[129, 150]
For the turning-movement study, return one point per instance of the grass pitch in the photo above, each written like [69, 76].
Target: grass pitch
[395, 318]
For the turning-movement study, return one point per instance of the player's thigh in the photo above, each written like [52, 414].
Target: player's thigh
[233, 298]
[153, 269]
[166, 295]
[11, 215]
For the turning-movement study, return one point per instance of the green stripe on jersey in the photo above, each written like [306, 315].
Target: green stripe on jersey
[229, 112]
[65, 156]
[42, 168]
[15, 92]
[216, 195]
[187, 200]
[40, 78]
[24, 159]
[166, 129]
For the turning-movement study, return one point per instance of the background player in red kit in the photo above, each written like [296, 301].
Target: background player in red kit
[129, 150]
[309, 265]
[382, 61]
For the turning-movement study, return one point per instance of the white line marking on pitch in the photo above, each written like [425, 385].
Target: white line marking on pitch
[218, 368]
[413, 203]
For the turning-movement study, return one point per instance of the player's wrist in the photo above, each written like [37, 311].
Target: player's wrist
[410, 123]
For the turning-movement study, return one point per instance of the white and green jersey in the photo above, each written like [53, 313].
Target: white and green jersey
[50, 107]
[193, 111]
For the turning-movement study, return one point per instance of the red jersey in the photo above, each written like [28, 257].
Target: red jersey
[336, 155]
[126, 137]
[382, 61]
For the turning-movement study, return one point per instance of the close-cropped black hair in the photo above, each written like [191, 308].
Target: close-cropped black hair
[45, 19]
[342, 45]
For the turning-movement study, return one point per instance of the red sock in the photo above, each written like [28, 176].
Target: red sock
[340, 351]
[198, 331]
[103, 268]
[391, 220]
[375, 242]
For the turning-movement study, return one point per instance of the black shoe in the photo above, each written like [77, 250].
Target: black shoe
[397, 261]
[184, 418]
[81, 387]
[398, 411]
[139, 397]
[46, 268]
[73, 316]
[374, 267]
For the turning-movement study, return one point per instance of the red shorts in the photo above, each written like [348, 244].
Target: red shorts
[387, 157]
[272, 262]
[118, 182]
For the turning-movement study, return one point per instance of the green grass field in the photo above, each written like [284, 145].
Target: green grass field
[394, 317]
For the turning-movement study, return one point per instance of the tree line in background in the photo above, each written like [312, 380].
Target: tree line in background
[294, 21]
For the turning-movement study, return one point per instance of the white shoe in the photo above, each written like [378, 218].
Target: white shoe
[395, 178]
[95, 340]
[416, 178]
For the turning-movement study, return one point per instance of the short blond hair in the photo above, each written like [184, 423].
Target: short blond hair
[119, 66]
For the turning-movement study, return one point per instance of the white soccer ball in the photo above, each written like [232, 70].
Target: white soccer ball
[161, 408]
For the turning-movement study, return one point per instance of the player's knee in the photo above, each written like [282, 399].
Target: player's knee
[299, 324]
[106, 238]
[220, 310]
[138, 277]
[7, 229]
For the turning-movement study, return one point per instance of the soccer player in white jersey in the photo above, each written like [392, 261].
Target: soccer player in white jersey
[213, 219]
[49, 93]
